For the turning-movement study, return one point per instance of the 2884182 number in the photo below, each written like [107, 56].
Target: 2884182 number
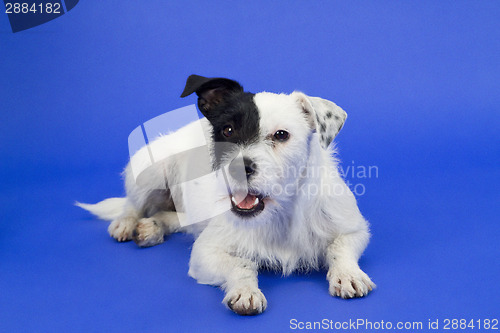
[462, 324]
[26, 8]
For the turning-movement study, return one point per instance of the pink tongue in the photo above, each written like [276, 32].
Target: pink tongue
[248, 202]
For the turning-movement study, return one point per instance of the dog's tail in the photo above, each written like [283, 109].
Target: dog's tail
[108, 209]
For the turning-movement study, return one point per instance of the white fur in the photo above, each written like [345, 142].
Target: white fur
[298, 229]
[108, 209]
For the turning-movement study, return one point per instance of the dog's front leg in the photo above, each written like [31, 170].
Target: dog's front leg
[243, 295]
[346, 279]
[211, 264]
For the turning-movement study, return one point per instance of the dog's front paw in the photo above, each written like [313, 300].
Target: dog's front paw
[245, 301]
[148, 232]
[122, 229]
[349, 282]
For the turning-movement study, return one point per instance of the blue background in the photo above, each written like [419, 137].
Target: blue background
[419, 80]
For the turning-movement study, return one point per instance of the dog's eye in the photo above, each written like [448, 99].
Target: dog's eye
[227, 131]
[281, 135]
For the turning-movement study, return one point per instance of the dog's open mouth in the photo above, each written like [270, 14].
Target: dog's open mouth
[248, 206]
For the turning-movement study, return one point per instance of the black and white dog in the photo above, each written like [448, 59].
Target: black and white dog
[293, 212]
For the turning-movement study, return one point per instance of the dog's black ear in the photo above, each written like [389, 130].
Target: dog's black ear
[210, 91]
[326, 117]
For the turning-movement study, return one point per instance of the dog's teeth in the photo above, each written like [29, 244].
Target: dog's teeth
[256, 201]
[233, 199]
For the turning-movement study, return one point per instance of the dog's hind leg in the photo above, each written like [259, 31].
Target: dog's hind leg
[158, 219]
[122, 228]
[121, 213]
[150, 231]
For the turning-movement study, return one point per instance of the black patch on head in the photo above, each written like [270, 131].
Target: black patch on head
[323, 127]
[224, 103]
[329, 114]
[211, 91]
[337, 118]
[240, 112]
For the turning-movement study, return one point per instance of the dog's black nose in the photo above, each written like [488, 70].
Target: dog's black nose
[250, 167]
[236, 168]
[249, 170]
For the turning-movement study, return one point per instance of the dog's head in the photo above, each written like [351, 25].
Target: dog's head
[278, 135]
